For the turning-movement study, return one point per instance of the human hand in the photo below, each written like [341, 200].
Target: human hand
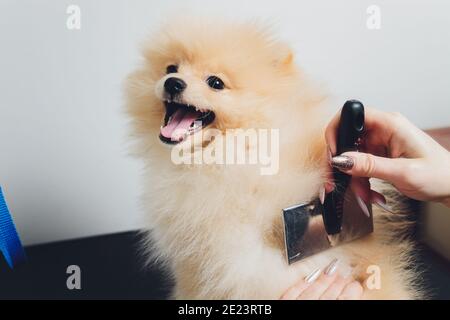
[396, 151]
[326, 285]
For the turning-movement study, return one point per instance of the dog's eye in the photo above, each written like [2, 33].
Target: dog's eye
[172, 69]
[215, 83]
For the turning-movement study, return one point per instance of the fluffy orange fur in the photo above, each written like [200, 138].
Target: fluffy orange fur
[217, 227]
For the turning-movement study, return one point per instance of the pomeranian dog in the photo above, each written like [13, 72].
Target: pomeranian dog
[218, 226]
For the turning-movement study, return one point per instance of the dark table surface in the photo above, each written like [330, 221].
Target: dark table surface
[112, 268]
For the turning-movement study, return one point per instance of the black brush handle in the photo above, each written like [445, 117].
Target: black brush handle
[350, 130]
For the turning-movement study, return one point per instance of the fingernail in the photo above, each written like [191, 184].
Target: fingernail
[313, 276]
[363, 206]
[383, 206]
[342, 162]
[322, 194]
[332, 267]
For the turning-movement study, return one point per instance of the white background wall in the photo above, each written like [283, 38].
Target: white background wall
[63, 162]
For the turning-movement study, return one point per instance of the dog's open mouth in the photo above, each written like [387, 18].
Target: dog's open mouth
[182, 120]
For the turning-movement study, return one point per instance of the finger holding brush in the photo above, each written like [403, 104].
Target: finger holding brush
[396, 151]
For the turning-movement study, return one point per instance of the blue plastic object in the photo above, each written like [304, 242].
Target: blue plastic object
[10, 244]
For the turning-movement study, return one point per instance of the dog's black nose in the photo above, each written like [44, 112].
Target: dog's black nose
[174, 86]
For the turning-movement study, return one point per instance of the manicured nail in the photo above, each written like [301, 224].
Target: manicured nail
[383, 206]
[342, 162]
[332, 267]
[363, 206]
[313, 276]
[322, 194]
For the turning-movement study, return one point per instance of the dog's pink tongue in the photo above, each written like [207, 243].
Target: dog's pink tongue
[179, 125]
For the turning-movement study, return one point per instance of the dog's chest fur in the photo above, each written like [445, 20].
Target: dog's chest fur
[220, 231]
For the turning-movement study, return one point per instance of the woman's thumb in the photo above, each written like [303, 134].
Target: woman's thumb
[361, 164]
